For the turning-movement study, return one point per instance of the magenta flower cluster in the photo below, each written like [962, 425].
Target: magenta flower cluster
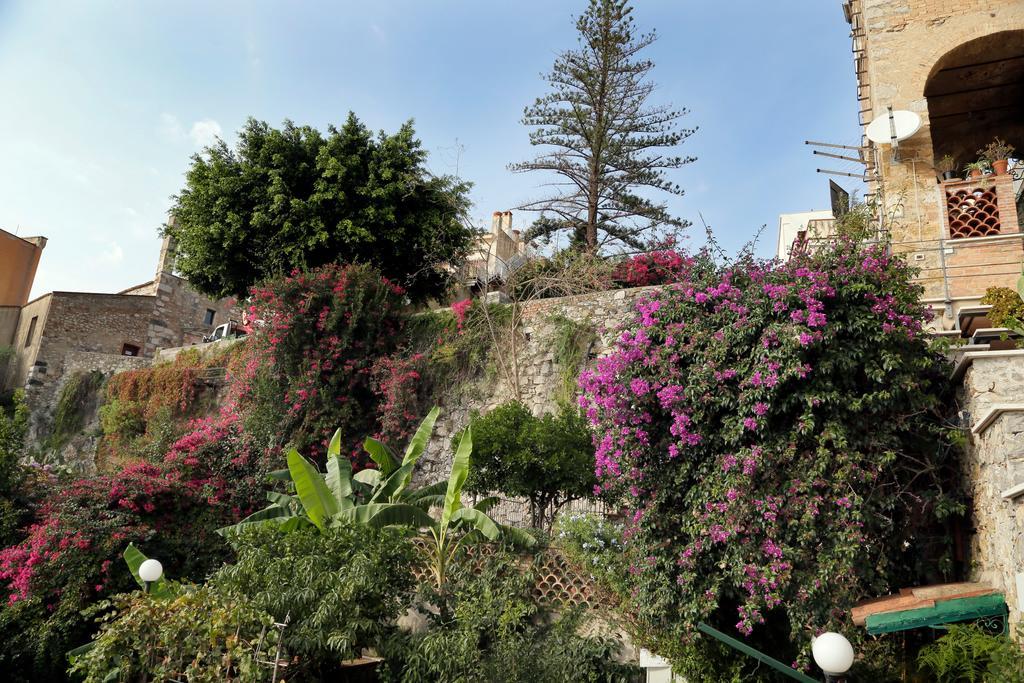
[745, 415]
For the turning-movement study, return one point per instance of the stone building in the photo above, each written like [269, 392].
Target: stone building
[494, 255]
[958, 65]
[61, 333]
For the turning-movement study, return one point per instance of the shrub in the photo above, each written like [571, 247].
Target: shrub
[14, 494]
[77, 397]
[324, 331]
[340, 591]
[198, 636]
[968, 653]
[1007, 307]
[548, 459]
[658, 267]
[775, 431]
[490, 628]
[71, 557]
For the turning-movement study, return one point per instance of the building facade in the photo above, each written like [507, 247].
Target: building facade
[959, 66]
[49, 339]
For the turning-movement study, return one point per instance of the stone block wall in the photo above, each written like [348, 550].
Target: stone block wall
[539, 375]
[79, 454]
[992, 399]
[76, 332]
[179, 314]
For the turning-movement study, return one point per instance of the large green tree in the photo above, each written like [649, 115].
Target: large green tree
[297, 198]
[610, 148]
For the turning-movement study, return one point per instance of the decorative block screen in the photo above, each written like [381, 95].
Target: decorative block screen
[972, 211]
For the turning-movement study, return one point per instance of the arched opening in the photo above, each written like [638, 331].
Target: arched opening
[976, 93]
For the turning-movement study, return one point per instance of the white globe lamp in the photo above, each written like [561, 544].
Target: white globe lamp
[149, 571]
[833, 653]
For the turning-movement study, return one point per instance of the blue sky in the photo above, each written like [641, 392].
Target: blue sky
[103, 103]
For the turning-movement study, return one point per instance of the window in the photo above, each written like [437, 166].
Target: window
[129, 350]
[31, 330]
[208, 318]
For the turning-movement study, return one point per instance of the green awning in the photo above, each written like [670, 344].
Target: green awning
[944, 612]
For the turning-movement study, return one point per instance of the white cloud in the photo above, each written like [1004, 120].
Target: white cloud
[112, 255]
[204, 133]
[170, 127]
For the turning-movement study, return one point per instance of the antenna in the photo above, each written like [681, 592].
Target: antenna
[890, 130]
[859, 159]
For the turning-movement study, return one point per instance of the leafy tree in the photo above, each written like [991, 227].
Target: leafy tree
[606, 142]
[549, 459]
[294, 198]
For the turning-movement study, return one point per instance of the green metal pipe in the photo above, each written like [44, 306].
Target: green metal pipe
[756, 654]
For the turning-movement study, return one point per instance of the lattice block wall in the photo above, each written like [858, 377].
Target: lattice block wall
[972, 211]
[559, 582]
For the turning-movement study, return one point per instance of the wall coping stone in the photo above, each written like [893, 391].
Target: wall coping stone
[993, 413]
[968, 359]
[1013, 492]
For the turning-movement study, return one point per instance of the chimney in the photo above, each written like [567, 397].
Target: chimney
[496, 219]
[507, 221]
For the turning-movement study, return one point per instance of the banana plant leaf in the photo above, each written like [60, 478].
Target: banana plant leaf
[382, 455]
[457, 478]
[317, 500]
[134, 558]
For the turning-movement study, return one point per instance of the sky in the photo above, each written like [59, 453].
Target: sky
[102, 105]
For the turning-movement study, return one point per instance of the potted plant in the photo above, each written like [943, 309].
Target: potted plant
[998, 154]
[947, 167]
[976, 169]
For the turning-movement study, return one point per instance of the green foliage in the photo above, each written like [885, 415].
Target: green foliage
[780, 436]
[489, 627]
[308, 371]
[124, 419]
[77, 398]
[6, 356]
[571, 343]
[1007, 308]
[295, 198]
[969, 654]
[607, 144]
[13, 494]
[548, 459]
[340, 591]
[860, 222]
[198, 635]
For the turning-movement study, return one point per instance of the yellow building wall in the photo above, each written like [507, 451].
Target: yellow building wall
[19, 259]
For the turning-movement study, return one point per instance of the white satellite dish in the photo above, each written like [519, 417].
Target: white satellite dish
[895, 125]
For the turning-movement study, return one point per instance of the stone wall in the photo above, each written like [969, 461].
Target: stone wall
[539, 377]
[992, 399]
[79, 453]
[179, 314]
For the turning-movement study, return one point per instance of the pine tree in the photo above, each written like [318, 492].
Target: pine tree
[609, 145]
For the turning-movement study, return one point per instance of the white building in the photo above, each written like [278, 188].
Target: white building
[801, 226]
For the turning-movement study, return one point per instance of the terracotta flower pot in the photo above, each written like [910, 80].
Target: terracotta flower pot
[999, 166]
[976, 173]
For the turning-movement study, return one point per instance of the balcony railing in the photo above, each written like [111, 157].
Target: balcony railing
[980, 207]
